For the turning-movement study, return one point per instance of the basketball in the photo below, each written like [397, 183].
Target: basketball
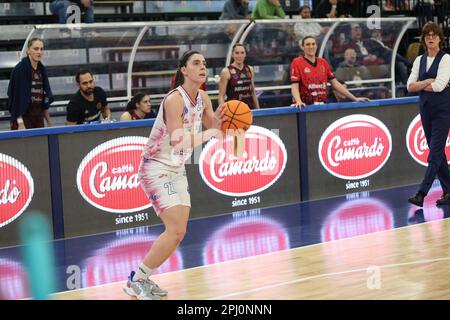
[237, 116]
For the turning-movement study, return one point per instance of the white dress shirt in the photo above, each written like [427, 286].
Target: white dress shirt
[443, 74]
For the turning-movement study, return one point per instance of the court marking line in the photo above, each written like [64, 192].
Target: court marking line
[326, 275]
[262, 255]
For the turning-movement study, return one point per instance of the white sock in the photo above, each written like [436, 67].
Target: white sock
[143, 272]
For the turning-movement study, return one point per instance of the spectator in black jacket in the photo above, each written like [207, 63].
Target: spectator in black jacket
[377, 47]
[235, 9]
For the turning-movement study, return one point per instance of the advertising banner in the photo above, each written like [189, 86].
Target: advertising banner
[99, 182]
[101, 190]
[24, 184]
[417, 143]
[266, 175]
[360, 149]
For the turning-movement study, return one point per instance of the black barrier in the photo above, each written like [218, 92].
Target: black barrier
[24, 184]
[360, 148]
[101, 191]
[99, 181]
[267, 174]
[87, 174]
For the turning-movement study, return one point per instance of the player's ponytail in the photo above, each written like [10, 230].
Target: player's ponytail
[179, 77]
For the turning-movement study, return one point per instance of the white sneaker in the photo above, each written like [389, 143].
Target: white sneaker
[140, 289]
[157, 289]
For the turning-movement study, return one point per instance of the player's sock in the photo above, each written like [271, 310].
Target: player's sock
[143, 272]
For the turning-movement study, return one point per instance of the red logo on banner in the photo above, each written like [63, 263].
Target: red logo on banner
[356, 218]
[355, 147]
[107, 177]
[245, 238]
[417, 143]
[114, 262]
[261, 165]
[13, 281]
[16, 189]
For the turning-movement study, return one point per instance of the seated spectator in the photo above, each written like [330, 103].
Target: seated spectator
[59, 8]
[29, 92]
[349, 70]
[268, 9]
[335, 96]
[139, 107]
[235, 9]
[89, 104]
[310, 76]
[424, 11]
[304, 29]
[329, 9]
[375, 64]
[376, 46]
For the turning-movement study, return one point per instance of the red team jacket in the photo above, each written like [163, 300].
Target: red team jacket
[312, 79]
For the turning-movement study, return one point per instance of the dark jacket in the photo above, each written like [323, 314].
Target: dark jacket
[432, 98]
[19, 88]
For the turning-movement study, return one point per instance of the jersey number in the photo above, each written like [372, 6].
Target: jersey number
[169, 187]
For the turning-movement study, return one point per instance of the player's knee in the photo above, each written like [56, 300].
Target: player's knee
[178, 234]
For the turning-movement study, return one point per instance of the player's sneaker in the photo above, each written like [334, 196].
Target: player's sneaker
[157, 289]
[140, 289]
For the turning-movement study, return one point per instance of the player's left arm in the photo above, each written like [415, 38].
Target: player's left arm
[342, 90]
[255, 98]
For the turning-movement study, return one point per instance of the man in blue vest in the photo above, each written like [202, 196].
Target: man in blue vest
[430, 77]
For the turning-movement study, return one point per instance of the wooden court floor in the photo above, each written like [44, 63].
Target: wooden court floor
[406, 263]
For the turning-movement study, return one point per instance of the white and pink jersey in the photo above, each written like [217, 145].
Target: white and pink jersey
[158, 145]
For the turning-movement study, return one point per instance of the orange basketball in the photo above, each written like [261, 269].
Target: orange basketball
[237, 116]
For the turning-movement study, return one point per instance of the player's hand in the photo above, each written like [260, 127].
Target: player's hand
[362, 99]
[219, 116]
[299, 105]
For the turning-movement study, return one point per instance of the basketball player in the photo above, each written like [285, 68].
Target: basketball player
[237, 80]
[310, 75]
[139, 107]
[162, 174]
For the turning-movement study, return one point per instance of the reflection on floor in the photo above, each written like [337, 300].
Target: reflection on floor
[105, 258]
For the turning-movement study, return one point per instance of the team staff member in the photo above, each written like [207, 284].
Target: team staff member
[237, 80]
[310, 75]
[29, 92]
[89, 104]
[430, 76]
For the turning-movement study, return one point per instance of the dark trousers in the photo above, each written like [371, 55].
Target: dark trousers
[436, 123]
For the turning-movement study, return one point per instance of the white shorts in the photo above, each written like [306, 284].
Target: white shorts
[164, 186]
